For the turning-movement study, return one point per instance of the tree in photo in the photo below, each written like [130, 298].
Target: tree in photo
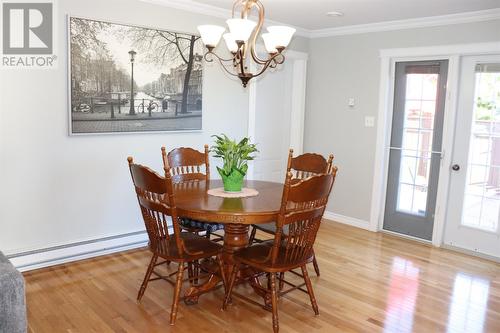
[165, 48]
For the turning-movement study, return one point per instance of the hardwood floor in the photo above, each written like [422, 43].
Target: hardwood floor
[370, 282]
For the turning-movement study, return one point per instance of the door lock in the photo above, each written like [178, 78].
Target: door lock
[455, 167]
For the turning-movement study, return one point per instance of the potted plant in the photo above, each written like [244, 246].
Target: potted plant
[235, 157]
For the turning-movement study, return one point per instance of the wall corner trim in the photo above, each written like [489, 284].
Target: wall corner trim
[352, 221]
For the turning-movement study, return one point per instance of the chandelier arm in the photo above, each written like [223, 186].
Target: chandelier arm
[246, 7]
[267, 64]
[253, 39]
[226, 69]
[216, 56]
[235, 4]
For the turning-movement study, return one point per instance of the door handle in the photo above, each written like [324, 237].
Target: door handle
[455, 167]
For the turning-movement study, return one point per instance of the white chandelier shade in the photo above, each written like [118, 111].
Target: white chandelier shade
[230, 42]
[282, 35]
[211, 34]
[270, 42]
[241, 29]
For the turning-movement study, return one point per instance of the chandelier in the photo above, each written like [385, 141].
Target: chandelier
[241, 41]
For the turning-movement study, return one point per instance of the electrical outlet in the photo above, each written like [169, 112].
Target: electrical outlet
[369, 121]
[351, 102]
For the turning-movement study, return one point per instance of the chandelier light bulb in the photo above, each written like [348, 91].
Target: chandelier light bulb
[211, 34]
[241, 29]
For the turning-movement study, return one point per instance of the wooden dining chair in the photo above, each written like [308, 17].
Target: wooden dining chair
[301, 167]
[166, 241]
[187, 165]
[302, 207]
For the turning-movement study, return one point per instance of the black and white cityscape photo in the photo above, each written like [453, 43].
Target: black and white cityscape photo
[133, 79]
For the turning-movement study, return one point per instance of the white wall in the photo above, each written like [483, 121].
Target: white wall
[56, 189]
[349, 66]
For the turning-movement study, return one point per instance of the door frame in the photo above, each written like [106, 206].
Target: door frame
[299, 61]
[388, 59]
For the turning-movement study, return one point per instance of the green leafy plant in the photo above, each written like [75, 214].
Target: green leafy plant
[487, 105]
[235, 156]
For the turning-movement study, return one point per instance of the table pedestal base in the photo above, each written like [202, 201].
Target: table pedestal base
[235, 238]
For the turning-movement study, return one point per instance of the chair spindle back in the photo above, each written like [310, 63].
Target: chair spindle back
[307, 165]
[302, 207]
[187, 164]
[157, 203]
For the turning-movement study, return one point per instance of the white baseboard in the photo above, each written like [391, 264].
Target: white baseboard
[352, 221]
[471, 253]
[29, 260]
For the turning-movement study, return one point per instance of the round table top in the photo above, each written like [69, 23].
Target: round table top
[193, 202]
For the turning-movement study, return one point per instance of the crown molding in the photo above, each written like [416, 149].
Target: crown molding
[200, 8]
[442, 50]
[421, 22]
[192, 6]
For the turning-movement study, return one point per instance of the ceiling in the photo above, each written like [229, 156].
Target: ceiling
[311, 14]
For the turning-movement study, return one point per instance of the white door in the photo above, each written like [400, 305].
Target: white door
[474, 200]
[276, 118]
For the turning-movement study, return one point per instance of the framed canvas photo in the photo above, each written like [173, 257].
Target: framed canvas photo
[126, 78]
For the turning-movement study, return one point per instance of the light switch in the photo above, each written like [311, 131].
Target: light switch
[351, 102]
[369, 121]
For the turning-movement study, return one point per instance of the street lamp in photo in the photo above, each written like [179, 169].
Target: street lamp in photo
[132, 54]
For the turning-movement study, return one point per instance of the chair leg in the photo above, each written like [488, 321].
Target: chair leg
[274, 302]
[196, 268]
[229, 289]
[315, 264]
[220, 262]
[310, 289]
[207, 234]
[282, 281]
[190, 272]
[149, 271]
[177, 292]
[252, 235]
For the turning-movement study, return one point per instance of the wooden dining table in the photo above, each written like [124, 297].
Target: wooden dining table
[237, 214]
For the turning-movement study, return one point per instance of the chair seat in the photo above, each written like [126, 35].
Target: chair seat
[259, 256]
[203, 226]
[197, 246]
[270, 228]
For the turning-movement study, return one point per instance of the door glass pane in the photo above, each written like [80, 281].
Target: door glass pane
[412, 114]
[420, 109]
[408, 170]
[482, 190]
